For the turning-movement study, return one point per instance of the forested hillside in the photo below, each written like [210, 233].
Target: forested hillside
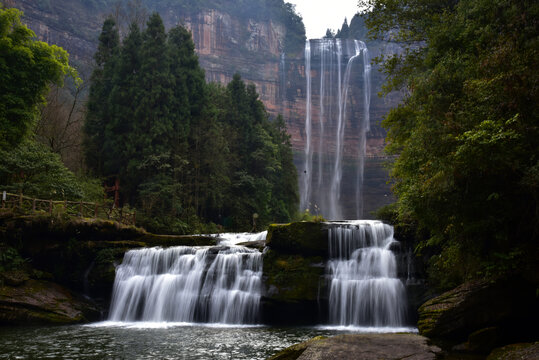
[185, 153]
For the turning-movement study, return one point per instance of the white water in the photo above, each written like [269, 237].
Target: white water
[187, 285]
[237, 238]
[365, 127]
[282, 69]
[307, 174]
[334, 122]
[364, 288]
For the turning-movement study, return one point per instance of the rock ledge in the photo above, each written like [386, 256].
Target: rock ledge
[362, 346]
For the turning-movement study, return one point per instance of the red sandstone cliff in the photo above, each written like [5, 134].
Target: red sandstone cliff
[225, 45]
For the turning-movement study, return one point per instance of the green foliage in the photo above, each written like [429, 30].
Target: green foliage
[187, 153]
[98, 115]
[295, 29]
[10, 259]
[27, 68]
[34, 170]
[467, 133]
[307, 216]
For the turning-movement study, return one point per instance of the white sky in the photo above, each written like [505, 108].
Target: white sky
[319, 15]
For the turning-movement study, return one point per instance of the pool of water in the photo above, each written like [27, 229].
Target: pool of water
[109, 340]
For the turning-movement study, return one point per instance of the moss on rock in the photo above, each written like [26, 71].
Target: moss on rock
[523, 351]
[293, 352]
[78, 253]
[43, 302]
[305, 238]
[477, 305]
[362, 346]
[292, 277]
[177, 240]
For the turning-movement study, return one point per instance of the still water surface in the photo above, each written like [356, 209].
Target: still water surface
[153, 341]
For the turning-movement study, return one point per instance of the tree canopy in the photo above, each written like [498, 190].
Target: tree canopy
[27, 68]
[186, 152]
[467, 133]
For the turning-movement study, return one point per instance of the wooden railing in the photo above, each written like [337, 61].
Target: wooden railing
[72, 208]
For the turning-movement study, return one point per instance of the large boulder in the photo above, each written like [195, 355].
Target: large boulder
[293, 276]
[505, 304]
[33, 301]
[364, 346]
[524, 351]
[292, 286]
[305, 238]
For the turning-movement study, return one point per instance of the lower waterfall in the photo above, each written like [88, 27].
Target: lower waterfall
[364, 289]
[184, 284]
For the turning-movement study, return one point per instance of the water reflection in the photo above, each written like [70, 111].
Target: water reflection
[149, 341]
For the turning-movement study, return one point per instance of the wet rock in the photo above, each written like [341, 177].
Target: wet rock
[364, 347]
[477, 305]
[14, 277]
[293, 284]
[257, 244]
[484, 340]
[305, 238]
[43, 302]
[214, 250]
[294, 351]
[525, 351]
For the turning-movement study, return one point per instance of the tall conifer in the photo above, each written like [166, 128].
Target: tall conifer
[98, 115]
[120, 150]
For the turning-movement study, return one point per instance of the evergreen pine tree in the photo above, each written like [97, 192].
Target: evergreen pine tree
[120, 151]
[153, 134]
[98, 115]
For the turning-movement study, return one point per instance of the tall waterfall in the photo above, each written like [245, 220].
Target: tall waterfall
[282, 77]
[324, 59]
[184, 284]
[364, 288]
[307, 174]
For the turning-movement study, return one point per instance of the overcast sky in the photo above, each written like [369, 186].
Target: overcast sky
[319, 15]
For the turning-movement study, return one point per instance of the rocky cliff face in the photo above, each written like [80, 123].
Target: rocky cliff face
[226, 45]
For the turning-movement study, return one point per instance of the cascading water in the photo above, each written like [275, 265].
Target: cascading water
[334, 122]
[306, 188]
[282, 80]
[184, 284]
[365, 127]
[364, 288]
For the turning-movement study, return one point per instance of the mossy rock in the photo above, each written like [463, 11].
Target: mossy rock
[476, 305]
[292, 277]
[293, 352]
[43, 302]
[362, 346]
[177, 240]
[304, 238]
[523, 351]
